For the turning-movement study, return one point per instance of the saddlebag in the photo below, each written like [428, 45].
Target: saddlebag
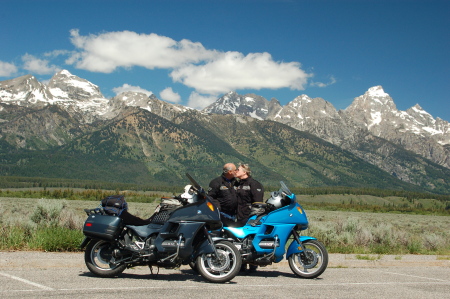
[103, 227]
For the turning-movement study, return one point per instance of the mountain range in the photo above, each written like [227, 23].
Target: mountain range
[68, 129]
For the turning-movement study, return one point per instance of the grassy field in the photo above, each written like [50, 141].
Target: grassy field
[55, 225]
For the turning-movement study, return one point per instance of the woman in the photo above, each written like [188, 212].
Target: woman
[248, 191]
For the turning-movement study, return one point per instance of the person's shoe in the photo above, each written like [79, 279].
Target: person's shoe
[252, 268]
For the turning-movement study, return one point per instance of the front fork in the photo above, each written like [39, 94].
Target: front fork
[300, 244]
[297, 245]
[210, 240]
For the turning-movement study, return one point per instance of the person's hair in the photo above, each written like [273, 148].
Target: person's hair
[227, 167]
[246, 168]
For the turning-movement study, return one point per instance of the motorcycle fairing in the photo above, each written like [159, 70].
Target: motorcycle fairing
[144, 231]
[278, 224]
[244, 231]
[292, 213]
[205, 247]
[295, 248]
[201, 211]
[265, 232]
[173, 230]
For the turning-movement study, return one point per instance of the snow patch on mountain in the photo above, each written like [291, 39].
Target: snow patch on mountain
[377, 92]
[374, 111]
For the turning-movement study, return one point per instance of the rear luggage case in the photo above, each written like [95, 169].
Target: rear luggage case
[103, 227]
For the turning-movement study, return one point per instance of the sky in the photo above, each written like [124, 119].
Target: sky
[192, 52]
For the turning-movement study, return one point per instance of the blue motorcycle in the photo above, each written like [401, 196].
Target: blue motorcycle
[273, 231]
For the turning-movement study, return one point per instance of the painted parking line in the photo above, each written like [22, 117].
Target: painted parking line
[27, 281]
[414, 276]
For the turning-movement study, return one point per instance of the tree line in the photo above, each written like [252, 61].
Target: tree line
[38, 182]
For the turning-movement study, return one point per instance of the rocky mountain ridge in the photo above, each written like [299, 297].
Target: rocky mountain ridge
[373, 113]
[36, 116]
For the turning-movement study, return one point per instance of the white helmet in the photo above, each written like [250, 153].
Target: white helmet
[189, 194]
[278, 199]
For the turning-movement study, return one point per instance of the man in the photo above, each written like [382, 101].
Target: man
[248, 191]
[222, 190]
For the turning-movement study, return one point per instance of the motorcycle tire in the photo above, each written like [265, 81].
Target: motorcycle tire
[314, 261]
[220, 268]
[98, 258]
[193, 266]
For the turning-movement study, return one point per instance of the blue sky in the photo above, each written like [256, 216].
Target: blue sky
[191, 52]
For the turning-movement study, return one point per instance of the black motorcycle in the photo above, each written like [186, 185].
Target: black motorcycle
[182, 238]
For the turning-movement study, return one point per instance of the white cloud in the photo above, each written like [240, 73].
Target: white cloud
[38, 66]
[206, 71]
[127, 87]
[199, 101]
[233, 71]
[169, 95]
[7, 69]
[321, 84]
[107, 51]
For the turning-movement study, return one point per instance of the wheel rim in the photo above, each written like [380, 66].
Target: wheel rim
[312, 261]
[221, 265]
[101, 256]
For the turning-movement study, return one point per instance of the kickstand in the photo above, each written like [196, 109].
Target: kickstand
[151, 270]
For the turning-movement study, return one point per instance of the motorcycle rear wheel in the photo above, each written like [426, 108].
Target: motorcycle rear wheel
[314, 261]
[220, 268]
[98, 258]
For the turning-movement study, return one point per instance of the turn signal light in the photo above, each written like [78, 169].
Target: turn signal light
[210, 206]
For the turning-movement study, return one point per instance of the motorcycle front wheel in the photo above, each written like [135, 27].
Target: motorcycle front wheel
[311, 262]
[221, 268]
[99, 260]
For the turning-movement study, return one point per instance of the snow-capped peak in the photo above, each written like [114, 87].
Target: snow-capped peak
[24, 91]
[377, 91]
[65, 73]
[233, 103]
[64, 85]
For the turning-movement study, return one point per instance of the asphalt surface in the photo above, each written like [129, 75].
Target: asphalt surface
[64, 275]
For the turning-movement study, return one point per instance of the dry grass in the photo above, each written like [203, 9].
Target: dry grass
[20, 210]
[340, 231]
[381, 232]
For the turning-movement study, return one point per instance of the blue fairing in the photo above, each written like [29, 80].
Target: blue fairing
[294, 248]
[242, 232]
[289, 216]
[277, 225]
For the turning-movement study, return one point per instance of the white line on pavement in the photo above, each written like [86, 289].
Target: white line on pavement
[409, 275]
[27, 281]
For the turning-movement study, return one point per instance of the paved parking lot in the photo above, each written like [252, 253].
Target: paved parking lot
[61, 275]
